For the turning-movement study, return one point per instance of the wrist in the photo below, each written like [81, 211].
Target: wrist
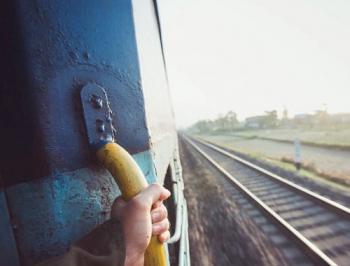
[134, 260]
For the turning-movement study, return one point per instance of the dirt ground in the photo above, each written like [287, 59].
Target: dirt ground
[220, 232]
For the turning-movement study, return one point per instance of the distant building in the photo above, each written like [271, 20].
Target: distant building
[302, 119]
[253, 122]
[340, 118]
[301, 116]
[321, 118]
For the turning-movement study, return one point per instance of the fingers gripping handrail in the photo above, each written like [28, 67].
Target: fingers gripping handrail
[131, 181]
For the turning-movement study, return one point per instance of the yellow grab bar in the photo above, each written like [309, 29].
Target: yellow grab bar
[131, 181]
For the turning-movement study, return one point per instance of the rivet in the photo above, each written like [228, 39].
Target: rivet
[109, 137]
[96, 101]
[101, 128]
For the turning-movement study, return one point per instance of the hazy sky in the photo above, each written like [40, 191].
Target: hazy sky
[249, 56]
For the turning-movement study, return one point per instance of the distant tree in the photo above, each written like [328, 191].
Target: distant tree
[220, 123]
[226, 122]
[270, 119]
[223, 123]
[202, 126]
[232, 121]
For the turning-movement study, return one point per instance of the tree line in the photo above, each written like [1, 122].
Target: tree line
[229, 122]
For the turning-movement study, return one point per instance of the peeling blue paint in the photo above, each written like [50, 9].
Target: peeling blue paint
[53, 212]
[145, 162]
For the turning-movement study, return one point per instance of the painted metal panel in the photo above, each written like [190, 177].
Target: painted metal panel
[8, 250]
[56, 192]
[61, 46]
[160, 117]
[52, 212]
[56, 210]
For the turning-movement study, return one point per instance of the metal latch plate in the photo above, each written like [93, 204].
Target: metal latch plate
[97, 114]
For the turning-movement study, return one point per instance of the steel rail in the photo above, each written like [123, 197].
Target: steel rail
[311, 250]
[334, 206]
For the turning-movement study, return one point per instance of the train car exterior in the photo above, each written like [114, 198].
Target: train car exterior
[52, 190]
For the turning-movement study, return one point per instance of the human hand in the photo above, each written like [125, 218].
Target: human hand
[143, 216]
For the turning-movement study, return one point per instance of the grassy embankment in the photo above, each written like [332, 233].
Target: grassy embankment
[321, 136]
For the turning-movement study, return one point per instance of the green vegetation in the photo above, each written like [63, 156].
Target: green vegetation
[312, 175]
[308, 170]
[331, 135]
[224, 123]
[320, 129]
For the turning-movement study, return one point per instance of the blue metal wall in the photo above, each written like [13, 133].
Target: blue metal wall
[61, 46]
[54, 189]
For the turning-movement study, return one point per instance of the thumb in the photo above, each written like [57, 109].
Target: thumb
[117, 207]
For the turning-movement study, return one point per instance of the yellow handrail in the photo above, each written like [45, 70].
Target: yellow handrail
[131, 181]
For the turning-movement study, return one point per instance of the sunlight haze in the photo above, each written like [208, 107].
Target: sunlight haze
[256, 56]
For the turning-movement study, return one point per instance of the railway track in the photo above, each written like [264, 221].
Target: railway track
[318, 226]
